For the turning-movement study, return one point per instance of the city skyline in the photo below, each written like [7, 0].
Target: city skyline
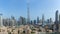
[18, 8]
[29, 16]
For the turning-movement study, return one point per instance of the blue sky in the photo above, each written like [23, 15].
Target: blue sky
[18, 8]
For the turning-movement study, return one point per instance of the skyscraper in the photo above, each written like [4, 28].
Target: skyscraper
[59, 18]
[34, 22]
[38, 20]
[5, 22]
[56, 17]
[13, 20]
[48, 22]
[56, 21]
[31, 22]
[59, 22]
[1, 21]
[28, 13]
[22, 21]
[51, 22]
[43, 19]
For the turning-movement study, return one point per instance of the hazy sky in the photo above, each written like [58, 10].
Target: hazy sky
[18, 8]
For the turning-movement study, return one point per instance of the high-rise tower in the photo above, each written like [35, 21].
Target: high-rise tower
[59, 18]
[56, 21]
[38, 20]
[1, 21]
[13, 21]
[28, 13]
[56, 17]
[43, 19]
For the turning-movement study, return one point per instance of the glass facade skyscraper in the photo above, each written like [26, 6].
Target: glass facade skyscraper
[56, 21]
